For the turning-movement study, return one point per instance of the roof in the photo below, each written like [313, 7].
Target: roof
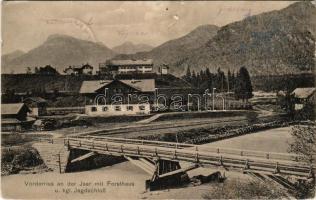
[144, 85]
[303, 93]
[92, 86]
[11, 108]
[130, 62]
[9, 121]
[35, 99]
[87, 66]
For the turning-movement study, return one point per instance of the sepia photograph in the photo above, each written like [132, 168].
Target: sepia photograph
[158, 99]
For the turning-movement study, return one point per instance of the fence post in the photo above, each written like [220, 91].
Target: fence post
[59, 163]
[197, 157]
[221, 161]
[277, 169]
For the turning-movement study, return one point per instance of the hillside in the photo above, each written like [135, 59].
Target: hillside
[277, 42]
[171, 51]
[60, 51]
[131, 48]
[6, 58]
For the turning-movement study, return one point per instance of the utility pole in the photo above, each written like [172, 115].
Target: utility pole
[213, 97]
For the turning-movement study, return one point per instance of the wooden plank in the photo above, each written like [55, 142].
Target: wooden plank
[85, 156]
[179, 171]
[140, 165]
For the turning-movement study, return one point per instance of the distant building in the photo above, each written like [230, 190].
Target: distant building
[164, 69]
[14, 117]
[37, 105]
[115, 67]
[47, 70]
[70, 71]
[304, 96]
[82, 70]
[103, 69]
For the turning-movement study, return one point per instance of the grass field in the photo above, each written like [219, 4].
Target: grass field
[273, 140]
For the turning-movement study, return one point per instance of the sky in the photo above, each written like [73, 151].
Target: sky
[26, 25]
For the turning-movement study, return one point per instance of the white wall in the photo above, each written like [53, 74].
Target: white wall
[114, 110]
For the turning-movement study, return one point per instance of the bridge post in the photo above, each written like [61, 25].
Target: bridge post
[175, 154]
[247, 166]
[197, 158]
[138, 151]
[221, 161]
[277, 168]
[167, 173]
[68, 145]
[311, 173]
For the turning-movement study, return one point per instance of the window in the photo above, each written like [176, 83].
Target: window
[129, 108]
[105, 108]
[93, 109]
[141, 107]
[117, 108]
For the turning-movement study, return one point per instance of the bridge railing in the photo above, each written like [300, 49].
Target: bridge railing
[137, 141]
[253, 153]
[229, 151]
[192, 155]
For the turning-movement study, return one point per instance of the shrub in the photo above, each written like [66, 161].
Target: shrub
[236, 189]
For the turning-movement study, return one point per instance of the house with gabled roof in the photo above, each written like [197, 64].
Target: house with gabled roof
[85, 69]
[111, 89]
[304, 96]
[14, 117]
[38, 105]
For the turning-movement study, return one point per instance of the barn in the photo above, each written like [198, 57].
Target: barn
[14, 117]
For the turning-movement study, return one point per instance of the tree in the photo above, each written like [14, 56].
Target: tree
[36, 70]
[303, 144]
[188, 75]
[194, 78]
[28, 70]
[220, 81]
[243, 86]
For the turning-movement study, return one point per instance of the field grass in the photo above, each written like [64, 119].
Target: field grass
[18, 139]
[191, 115]
[237, 189]
[20, 158]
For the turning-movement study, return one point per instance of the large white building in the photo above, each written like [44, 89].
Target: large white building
[127, 66]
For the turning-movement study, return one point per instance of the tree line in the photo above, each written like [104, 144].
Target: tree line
[239, 83]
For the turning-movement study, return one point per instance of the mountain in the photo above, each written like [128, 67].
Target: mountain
[6, 58]
[130, 48]
[170, 51]
[276, 42]
[60, 51]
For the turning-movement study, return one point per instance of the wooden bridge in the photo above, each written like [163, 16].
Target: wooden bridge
[161, 159]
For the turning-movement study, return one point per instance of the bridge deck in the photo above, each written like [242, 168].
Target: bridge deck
[287, 164]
